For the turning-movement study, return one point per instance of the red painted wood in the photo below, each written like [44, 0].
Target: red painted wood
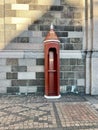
[51, 47]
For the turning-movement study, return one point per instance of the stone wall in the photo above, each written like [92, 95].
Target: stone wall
[28, 22]
[25, 24]
[23, 72]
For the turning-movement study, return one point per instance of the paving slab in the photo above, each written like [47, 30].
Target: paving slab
[70, 112]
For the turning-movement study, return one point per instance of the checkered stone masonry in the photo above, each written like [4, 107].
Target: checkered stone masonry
[23, 70]
[72, 75]
[36, 16]
[22, 75]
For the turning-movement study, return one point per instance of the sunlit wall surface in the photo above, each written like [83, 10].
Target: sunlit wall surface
[27, 22]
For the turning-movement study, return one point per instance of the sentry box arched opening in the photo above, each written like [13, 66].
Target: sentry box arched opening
[51, 47]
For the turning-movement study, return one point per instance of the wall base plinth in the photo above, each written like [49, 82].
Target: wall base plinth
[52, 97]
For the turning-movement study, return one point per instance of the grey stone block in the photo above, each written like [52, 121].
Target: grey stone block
[38, 40]
[36, 82]
[56, 8]
[13, 90]
[11, 75]
[79, 75]
[69, 89]
[65, 68]
[39, 61]
[77, 15]
[25, 33]
[26, 1]
[19, 68]
[78, 28]
[56, 2]
[73, 61]
[63, 40]
[75, 40]
[12, 61]
[40, 89]
[63, 82]
[23, 39]
[19, 82]
[69, 75]
[64, 61]
[37, 34]
[61, 75]
[81, 62]
[77, 68]
[72, 82]
[24, 46]
[68, 46]
[38, 7]
[81, 89]
[34, 27]
[40, 75]
[77, 46]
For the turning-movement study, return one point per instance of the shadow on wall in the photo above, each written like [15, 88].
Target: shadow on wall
[61, 14]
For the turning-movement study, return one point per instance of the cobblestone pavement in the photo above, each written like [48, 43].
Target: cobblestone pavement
[70, 112]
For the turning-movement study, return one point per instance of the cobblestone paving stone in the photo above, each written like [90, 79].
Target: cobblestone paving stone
[37, 113]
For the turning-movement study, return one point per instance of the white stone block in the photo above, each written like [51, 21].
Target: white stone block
[5, 68]
[45, 2]
[32, 89]
[95, 33]
[80, 82]
[23, 89]
[27, 62]
[2, 75]
[35, 68]
[63, 89]
[87, 75]
[34, 55]
[26, 75]
[94, 89]
[36, 34]
[56, 2]
[3, 90]
[5, 83]
[70, 54]
[11, 54]
[26, 89]
[20, 7]
[18, 20]
[2, 61]
[75, 34]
